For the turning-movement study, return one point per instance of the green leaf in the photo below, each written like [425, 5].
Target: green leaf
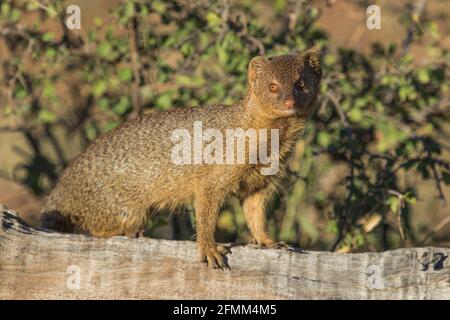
[129, 9]
[213, 19]
[46, 116]
[330, 59]
[104, 49]
[50, 53]
[111, 125]
[5, 9]
[31, 6]
[164, 101]
[15, 15]
[98, 21]
[125, 75]
[222, 55]
[394, 203]
[144, 11]
[159, 6]
[48, 36]
[355, 115]
[103, 104]
[332, 227]
[411, 199]
[280, 5]
[99, 88]
[91, 132]
[433, 29]
[187, 49]
[7, 110]
[122, 106]
[49, 90]
[183, 80]
[403, 93]
[20, 93]
[423, 76]
[359, 239]
[324, 139]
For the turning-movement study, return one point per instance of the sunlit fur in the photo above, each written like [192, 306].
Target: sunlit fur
[127, 174]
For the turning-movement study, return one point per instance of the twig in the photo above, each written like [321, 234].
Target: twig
[418, 10]
[45, 8]
[254, 41]
[225, 17]
[293, 16]
[436, 229]
[338, 108]
[242, 32]
[438, 182]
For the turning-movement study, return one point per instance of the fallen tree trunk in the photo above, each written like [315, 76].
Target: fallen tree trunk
[35, 264]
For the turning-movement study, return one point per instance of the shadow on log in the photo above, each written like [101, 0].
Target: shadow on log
[35, 264]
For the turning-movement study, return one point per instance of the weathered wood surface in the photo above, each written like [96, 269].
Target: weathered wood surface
[41, 265]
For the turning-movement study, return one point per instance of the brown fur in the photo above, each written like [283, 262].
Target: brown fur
[125, 175]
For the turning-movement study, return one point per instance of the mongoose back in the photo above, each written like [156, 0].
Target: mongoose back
[129, 173]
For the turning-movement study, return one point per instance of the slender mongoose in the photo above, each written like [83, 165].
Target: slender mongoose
[129, 173]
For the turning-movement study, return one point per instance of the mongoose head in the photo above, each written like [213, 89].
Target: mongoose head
[284, 86]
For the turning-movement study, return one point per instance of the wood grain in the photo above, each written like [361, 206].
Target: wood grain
[35, 264]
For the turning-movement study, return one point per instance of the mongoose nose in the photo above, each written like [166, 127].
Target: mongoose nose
[289, 102]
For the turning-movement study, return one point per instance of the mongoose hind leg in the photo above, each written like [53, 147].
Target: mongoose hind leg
[118, 221]
[207, 207]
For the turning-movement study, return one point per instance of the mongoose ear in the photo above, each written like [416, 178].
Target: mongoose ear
[255, 64]
[312, 62]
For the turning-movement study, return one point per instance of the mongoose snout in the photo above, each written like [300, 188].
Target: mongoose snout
[125, 175]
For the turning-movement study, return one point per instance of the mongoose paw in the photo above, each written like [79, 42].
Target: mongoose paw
[268, 243]
[214, 257]
[280, 245]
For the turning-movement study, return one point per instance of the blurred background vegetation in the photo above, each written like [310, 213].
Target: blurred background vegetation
[373, 171]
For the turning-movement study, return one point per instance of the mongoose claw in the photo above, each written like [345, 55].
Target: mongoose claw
[268, 244]
[214, 257]
[223, 250]
[280, 245]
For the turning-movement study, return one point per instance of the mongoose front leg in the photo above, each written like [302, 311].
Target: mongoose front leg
[254, 211]
[206, 213]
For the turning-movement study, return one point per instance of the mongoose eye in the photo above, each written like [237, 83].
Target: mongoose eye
[273, 88]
